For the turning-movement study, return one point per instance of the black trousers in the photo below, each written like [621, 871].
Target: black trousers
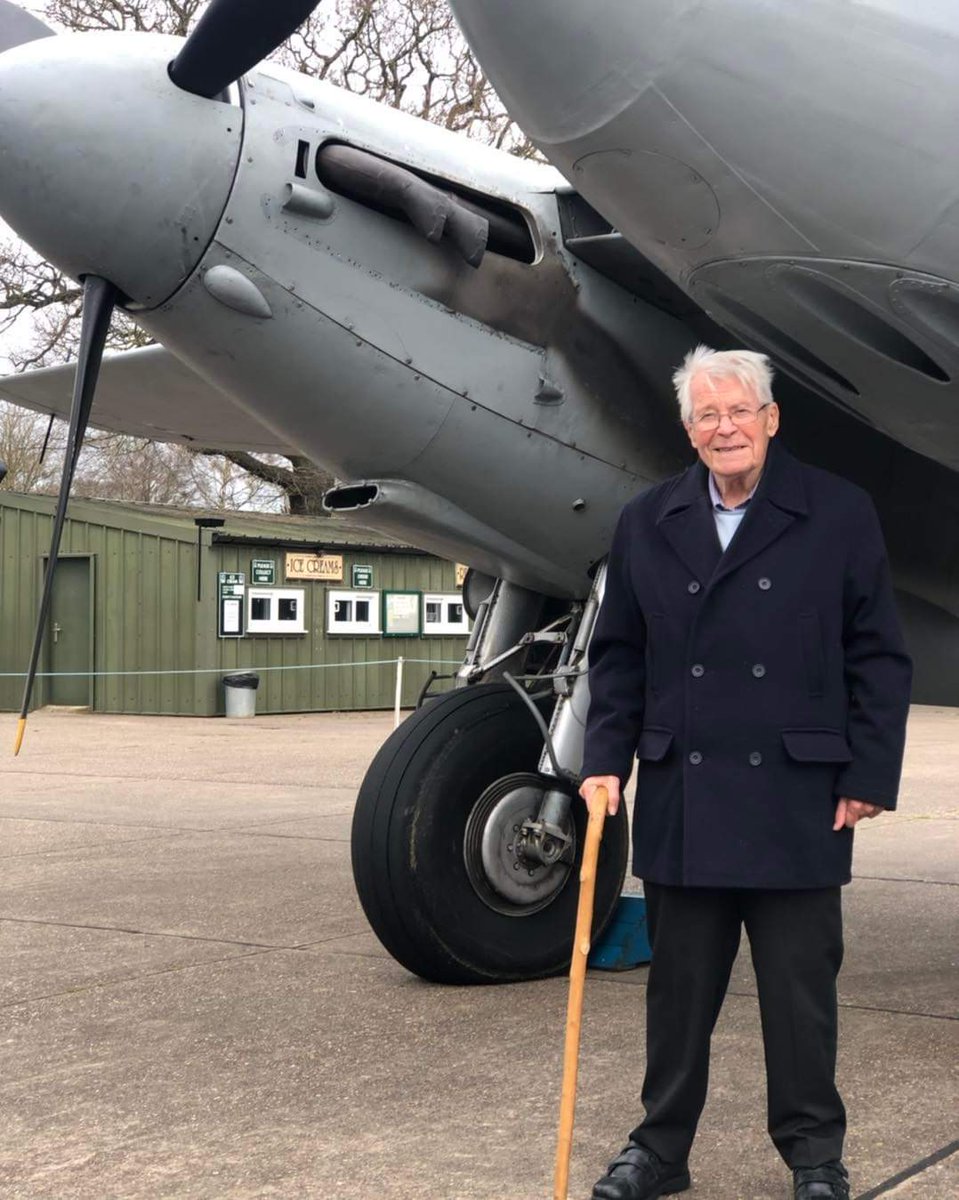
[796, 942]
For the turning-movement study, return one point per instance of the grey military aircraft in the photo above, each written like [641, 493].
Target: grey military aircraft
[480, 346]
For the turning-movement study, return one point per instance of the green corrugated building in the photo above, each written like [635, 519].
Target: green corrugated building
[151, 610]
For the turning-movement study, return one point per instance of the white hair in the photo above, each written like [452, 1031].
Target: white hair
[752, 370]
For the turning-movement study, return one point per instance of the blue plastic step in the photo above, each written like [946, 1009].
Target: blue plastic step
[625, 944]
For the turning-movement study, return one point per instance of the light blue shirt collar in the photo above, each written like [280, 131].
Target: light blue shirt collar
[727, 520]
[717, 501]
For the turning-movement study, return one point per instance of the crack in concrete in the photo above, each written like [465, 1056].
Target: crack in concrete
[186, 937]
[158, 837]
[917, 1168]
[296, 837]
[95, 824]
[99, 984]
[254, 949]
[907, 879]
[843, 1004]
[246, 829]
[234, 783]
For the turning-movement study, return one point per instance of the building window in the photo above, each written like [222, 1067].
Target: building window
[275, 610]
[354, 613]
[444, 614]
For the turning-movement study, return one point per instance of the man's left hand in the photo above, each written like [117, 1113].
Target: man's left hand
[848, 812]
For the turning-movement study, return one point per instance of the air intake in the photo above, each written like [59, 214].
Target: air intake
[843, 310]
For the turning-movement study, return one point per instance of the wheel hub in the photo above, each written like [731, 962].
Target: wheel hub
[504, 878]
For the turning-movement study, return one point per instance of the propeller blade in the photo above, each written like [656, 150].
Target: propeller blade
[231, 37]
[46, 440]
[99, 298]
[17, 26]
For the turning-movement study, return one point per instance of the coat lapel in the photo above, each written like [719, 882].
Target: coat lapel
[686, 522]
[778, 501]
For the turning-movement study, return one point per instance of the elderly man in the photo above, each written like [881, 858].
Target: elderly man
[748, 652]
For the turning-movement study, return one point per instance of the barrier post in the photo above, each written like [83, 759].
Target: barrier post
[399, 689]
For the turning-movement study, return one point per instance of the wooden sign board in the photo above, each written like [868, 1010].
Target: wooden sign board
[326, 568]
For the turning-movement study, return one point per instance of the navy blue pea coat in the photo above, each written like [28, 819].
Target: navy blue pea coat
[757, 685]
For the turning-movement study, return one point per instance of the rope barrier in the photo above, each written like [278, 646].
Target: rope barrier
[377, 662]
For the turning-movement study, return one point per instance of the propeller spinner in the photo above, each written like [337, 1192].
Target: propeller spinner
[134, 223]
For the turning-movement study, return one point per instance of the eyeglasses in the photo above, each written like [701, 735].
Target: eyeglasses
[709, 422]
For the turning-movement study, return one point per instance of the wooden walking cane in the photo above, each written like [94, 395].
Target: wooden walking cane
[577, 976]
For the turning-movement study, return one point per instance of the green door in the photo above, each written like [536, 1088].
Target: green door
[70, 633]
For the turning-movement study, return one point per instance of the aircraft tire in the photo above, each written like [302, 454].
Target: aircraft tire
[408, 837]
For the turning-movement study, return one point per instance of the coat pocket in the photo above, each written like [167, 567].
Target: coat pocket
[654, 744]
[810, 638]
[817, 745]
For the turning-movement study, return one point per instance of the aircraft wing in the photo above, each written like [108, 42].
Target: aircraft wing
[151, 394]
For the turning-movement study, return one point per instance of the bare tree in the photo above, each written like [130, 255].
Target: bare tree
[54, 302]
[135, 470]
[116, 467]
[408, 54]
[22, 438]
[176, 17]
[227, 483]
[302, 482]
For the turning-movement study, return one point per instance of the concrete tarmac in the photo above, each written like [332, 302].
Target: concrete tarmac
[192, 1004]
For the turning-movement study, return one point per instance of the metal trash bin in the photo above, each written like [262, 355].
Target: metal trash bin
[240, 694]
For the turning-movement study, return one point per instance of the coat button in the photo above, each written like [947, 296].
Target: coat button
[755, 759]
[765, 584]
[759, 670]
[695, 758]
[693, 587]
[697, 670]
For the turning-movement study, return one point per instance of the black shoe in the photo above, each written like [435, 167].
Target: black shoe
[828, 1182]
[638, 1174]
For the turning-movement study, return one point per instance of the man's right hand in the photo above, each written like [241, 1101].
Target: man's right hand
[610, 783]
